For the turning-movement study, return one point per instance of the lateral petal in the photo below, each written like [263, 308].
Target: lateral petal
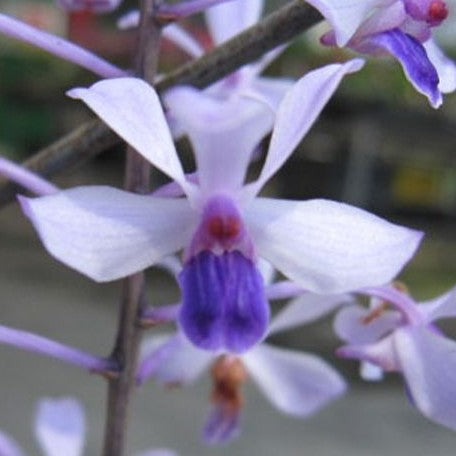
[329, 247]
[445, 67]
[9, 447]
[441, 307]
[60, 427]
[428, 362]
[106, 233]
[352, 324]
[346, 17]
[132, 109]
[297, 112]
[296, 383]
[172, 360]
[306, 309]
[381, 353]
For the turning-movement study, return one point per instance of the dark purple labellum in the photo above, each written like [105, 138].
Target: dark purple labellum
[224, 306]
[412, 56]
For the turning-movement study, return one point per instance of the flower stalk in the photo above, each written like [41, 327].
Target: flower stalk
[137, 174]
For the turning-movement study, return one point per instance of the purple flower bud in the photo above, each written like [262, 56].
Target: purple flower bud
[98, 6]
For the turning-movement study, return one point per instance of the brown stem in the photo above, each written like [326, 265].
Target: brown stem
[276, 29]
[125, 351]
[93, 137]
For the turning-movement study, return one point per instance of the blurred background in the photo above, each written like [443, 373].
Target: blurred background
[378, 145]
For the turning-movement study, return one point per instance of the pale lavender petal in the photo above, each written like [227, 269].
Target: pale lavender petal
[48, 347]
[329, 247]
[97, 6]
[223, 131]
[181, 38]
[222, 425]
[428, 363]
[106, 233]
[306, 309]
[442, 307]
[25, 178]
[296, 383]
[271, 89]
[58, 46]
[298, 111]
[284, 289]
[60, 427]
[172, 360]
[370, 372]
[9, 447]
[381, 353]
[412, 56]
[387, 18]
[353, 325]
[128, 20]
[228, 19]
[345, 17]
[445, 67]
[131, 107]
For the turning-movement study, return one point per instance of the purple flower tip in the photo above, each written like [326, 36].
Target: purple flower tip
[414, 60]
[222, 425]
[224, 306]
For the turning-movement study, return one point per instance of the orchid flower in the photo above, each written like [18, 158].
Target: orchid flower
[404, 339]
[235, 97]
[296, 383]
[223, 227]
[96, 6]
[60, 429]
[402, 28]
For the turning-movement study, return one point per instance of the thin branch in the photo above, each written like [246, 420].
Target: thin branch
[93, 137]
[276, 29]
[137, 174]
